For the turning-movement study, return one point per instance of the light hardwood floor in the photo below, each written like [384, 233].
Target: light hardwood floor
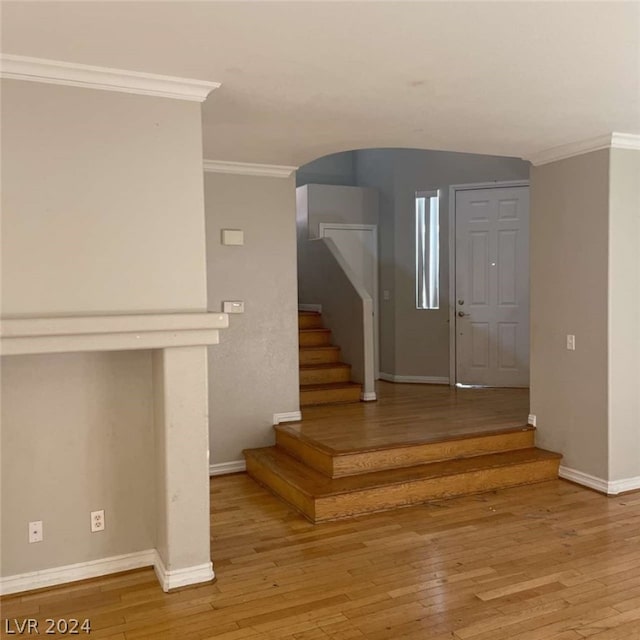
[551, 561]
[406, 413]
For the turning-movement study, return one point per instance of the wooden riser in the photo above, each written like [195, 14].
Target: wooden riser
[325, 373]
[309, 320]
[321, 499]
[339, 392]
[343, 464]
[319, 355]
[314, 337]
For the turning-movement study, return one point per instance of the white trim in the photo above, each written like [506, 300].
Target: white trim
[610, 141]
[248, 168]
[182, 577]
[453, 189]
[584, 479]
[103, 78]
[627, 484]
[390, 377]
[30, 335]
[310, 307]
[611, 488]
[368, 396]
[532, 419]
[78, 571]
[223, 468]
[287, 416]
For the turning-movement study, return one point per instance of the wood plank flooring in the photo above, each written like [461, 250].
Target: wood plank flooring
[408, 413]
[551, 561]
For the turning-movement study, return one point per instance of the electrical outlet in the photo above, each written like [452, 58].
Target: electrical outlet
[571, 342]
[36, 532]
[97, 521]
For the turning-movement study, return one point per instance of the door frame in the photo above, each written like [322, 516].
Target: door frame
[453, 190]
[376, 308]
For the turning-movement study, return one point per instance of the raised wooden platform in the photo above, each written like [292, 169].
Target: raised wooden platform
[417, 443]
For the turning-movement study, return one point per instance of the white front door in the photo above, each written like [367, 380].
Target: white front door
[492, 287]
[358, 244]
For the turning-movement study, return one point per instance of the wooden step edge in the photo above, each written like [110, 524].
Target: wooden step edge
[321, 366]
[423, 491]
[549, 455]
[322, 458]
[324, 487]
[279, 485]
[400, 445]
[330, 386]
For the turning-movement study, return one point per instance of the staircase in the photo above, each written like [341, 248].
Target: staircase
[323, 378]
[325, 485]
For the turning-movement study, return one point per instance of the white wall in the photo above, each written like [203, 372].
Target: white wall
[253, 372]
[569, 295]
[624, 315]
[102, 211]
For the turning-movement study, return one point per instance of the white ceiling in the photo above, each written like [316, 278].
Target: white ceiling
[304, 79]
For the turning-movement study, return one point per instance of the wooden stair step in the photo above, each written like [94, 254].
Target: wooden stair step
[336, 392]
[345, 462]
[319, 355]
[325, 373]
[320, 498]
[309, 320]
[314, 337]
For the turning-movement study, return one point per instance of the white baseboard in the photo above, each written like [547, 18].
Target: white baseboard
[182, 577]
[532, 419]
[368, 396]
[611, 488]
[390, 377]
[310, 307]
[223, 468]
[621, 486]
[78, 571]
[289, 416]
[105, 566]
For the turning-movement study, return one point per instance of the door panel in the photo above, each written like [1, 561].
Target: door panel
[492, 287]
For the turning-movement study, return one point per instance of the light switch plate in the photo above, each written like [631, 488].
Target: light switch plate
[233, 306]
[233, 237]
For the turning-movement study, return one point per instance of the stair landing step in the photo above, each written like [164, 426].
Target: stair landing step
[350, 460]
[320, 498]
[331, 393]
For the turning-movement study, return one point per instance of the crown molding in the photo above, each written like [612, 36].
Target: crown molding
[248, 168]
[81, 75]
[609, 141]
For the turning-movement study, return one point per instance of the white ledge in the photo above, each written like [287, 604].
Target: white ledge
[31, 335]
[82, 75]
[248, 168]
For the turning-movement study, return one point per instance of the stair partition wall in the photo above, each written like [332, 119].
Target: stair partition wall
[326, 279]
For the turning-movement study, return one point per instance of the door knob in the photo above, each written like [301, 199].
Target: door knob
[462, 314]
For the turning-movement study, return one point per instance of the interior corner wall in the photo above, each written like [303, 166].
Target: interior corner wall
[624, 315]
[569, 295]
[102, 212]
[253, 372]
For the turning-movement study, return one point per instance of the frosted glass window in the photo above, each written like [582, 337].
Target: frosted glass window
[427, 250]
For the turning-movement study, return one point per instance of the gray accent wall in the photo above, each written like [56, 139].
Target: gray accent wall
[253, 372]
[569, 295]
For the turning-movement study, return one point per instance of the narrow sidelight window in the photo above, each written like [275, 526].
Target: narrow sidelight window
[427, 250]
